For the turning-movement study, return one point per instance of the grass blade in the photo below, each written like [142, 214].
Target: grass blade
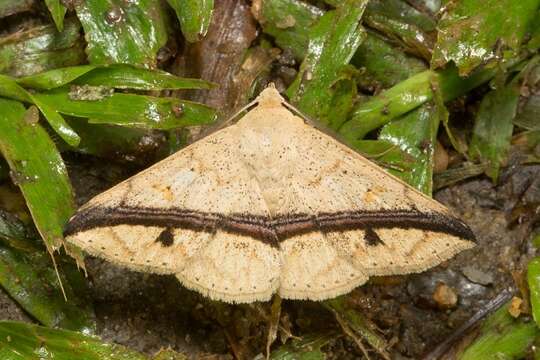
[333, 41]
[54, 78]
[194, 17]
[502, 337]
[58, 11]
[129, 77]
[415, 134]
[406, 96]
[38, 170]
[146, 112]
[533, 278]
[119, 76]
[21, 341]
[10, 88]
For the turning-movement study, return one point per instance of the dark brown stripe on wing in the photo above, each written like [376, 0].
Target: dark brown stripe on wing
[268, 230]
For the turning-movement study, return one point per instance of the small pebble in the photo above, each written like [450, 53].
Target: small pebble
[445, 296]
[477, 276]
[514, 308]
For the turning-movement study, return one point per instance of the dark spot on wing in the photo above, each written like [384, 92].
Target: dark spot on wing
[371, 238]
[166, 238]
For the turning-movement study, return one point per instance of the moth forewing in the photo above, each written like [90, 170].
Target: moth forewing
[268, 204]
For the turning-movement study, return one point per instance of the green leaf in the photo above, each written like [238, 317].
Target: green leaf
[474, 32]
[57, 11]
[54, 78]
[493, 128]
[194, 17]
[415, 134]
[42, 48]
[375, 149]
[406, 96]
[129, 77]
[9, 88]
[31, 280]
[382, 64]
[21, 341]
[119, 31]
[402, 24]
[533, 278]
[131, 110]
[289, 21]
[502, 337]
[117, 76]
[37, 169]
[333, 41]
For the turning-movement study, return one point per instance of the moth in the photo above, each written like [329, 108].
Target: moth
[268, 205]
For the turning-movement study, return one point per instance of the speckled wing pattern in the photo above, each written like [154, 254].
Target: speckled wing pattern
[269, 204]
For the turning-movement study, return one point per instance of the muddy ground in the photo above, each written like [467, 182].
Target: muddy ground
[150, 312]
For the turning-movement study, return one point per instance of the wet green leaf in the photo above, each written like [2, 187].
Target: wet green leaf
[21, 341]
[406, 96]
[57, 11]
[129, 77]
[289, 22]
[402, 24]
[396, 9]
[383, 65]
[120, 31]
[131, 110]
[474, 32]
[493, 128]
[41, 48]
[54, 78]
[415, 134]
[116, 76]
[9, 88]
[333, 41]
[37, 169]
[194, 17]
[375, 149]
[502, 337]
[533, 278]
